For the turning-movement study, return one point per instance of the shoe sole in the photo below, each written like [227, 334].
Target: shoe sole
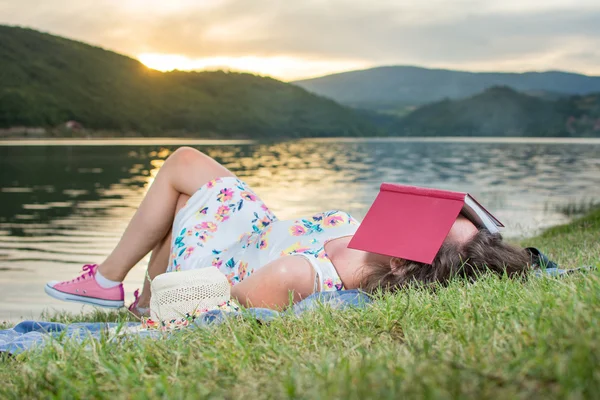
[57, 294]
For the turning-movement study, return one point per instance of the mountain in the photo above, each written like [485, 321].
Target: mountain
[392, 89]
[46, 80]
[502, 111]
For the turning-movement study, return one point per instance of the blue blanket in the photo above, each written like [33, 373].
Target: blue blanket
[27, 335]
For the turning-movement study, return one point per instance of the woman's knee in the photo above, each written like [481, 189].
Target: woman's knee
[189, 169]
[188, 159]
[185, 155]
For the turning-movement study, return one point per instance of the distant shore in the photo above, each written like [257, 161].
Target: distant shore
[127, 141]
[181, 141]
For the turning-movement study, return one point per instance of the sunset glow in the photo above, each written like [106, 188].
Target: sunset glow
[294, 40]
[280, 67]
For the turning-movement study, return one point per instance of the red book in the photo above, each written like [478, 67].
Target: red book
[412, 222]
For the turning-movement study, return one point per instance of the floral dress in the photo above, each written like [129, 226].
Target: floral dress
[226, 225]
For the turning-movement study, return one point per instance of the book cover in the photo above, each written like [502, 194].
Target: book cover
[412, 222]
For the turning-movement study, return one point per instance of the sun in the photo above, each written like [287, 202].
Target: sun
[281, 67]
[165, 62]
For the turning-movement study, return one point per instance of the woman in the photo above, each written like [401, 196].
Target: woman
[198, 214]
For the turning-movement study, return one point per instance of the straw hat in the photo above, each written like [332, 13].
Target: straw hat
[180, 297]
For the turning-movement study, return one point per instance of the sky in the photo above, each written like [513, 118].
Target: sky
[291, 40]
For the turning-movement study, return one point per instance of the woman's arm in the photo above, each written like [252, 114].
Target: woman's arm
[270, 286]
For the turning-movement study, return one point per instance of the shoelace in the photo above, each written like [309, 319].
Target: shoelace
[133, 305]
[88, 269]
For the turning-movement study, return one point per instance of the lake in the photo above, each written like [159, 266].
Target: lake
[65, 203]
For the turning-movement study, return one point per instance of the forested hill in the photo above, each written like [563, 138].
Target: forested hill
[392, 87]
[502, 111]
[47, 80]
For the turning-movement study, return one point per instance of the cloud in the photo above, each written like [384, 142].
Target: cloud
[471, 34]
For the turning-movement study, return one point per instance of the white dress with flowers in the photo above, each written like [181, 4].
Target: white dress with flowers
[226, 225]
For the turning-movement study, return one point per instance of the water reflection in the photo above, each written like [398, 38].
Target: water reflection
[63, 206]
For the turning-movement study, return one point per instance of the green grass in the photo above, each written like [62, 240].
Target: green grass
[496, 338]
[577, 209]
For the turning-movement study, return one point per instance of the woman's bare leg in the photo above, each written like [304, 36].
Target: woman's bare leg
[159, 259]
[184, 172]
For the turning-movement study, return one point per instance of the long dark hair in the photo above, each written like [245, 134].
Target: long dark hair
[485, 252]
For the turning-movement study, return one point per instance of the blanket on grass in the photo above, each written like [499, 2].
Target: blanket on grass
[28, 335]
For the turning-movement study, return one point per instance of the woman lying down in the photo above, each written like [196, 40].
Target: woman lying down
[198, 214]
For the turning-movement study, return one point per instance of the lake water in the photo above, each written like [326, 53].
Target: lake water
[66, 204]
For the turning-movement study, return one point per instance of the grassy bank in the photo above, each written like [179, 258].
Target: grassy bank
[496, 338]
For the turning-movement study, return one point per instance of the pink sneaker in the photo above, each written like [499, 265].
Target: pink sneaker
[85, 289]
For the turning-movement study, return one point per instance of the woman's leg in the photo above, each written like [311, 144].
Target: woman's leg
[159, 259]
[183, 173]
